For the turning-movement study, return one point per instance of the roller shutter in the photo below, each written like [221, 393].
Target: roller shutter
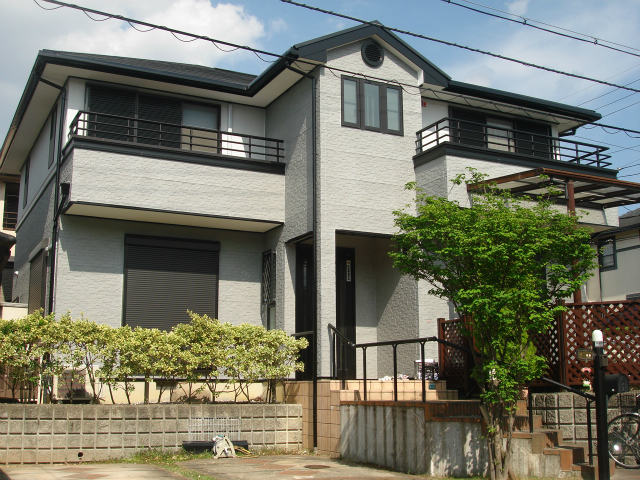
[165, 277]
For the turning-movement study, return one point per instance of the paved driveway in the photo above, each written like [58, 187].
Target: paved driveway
[257, 468]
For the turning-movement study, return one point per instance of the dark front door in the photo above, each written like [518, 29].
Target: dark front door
[346, 310]
[304, 305]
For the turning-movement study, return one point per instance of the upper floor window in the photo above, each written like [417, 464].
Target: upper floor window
[126, 115]
[607, 254]
[478, 129]
[371, 105]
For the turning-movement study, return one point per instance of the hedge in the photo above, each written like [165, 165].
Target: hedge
[197, 355]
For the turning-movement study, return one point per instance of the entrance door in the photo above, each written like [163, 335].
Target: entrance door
[304, 305]
[346, 309]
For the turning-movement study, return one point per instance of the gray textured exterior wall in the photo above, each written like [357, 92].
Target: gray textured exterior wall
[32, 234]
[90, 266]
[289, 118]
[70, 433]
[143, 182]
[361, 179]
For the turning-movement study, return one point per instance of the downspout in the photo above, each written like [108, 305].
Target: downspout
[316, 244]
[56, 207]
[314, 209]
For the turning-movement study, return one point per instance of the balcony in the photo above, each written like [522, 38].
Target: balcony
[9, 219]
[148, 133]
[509, 142]
[149, 171]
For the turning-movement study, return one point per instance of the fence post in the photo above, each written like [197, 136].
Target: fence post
[442, 364]
[563, 370]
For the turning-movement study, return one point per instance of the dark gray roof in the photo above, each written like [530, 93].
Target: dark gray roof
[630, 218]
[183, 70]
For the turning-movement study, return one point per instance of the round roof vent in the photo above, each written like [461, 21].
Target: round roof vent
[372, 53]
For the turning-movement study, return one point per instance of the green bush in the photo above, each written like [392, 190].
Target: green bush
[204, 351]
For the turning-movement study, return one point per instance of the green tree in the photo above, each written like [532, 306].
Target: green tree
[505, 264]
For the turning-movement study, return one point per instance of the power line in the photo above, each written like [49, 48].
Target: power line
[234, 47]
[526, 22]
[589, 87]
[609, 92]
[614, 101]
[464, 47]
[621, 109]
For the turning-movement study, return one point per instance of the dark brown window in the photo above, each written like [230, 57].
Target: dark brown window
[129, 116]
[25, 176]
[478, 129]
[607, 254]
[165, 277]
[52, 136]
[371, 105]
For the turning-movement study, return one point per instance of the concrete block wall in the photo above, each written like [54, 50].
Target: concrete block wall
[72, 433]
[405, 437]
[567, 412]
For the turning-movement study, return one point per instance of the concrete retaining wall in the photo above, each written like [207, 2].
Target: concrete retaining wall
[71, 433]
[414, 437]
[567, 412]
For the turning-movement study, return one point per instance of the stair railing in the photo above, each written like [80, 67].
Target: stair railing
[345, 342]
[587, 396]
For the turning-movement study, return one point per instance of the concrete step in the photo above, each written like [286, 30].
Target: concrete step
[590, 472]
[522, 423]
[541, 439]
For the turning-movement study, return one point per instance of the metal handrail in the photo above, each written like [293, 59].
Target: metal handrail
[394, 344]
[172, 135]
[521, 142]
[587, 396]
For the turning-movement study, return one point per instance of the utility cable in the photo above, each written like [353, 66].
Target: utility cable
[457, 45]
[259, 53]
[527, 22]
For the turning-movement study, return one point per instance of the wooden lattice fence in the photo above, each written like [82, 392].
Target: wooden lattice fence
[619, 321]
[454, 364]
[620, 324]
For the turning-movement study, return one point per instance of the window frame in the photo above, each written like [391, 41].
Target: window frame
[25, 190]
[601, 245]
[382, 109]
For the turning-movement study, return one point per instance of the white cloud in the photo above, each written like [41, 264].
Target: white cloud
[562, 54]
[26, 29]
[518, 7]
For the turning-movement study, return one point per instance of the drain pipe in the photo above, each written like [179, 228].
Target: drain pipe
[314, 207]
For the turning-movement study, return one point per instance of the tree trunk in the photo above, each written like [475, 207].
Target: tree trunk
[499, 453]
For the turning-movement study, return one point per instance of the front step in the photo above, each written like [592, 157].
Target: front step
[408, 390]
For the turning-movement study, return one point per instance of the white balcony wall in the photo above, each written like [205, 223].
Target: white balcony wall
[141, 182]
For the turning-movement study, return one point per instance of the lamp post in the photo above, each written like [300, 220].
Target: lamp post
[599, 366]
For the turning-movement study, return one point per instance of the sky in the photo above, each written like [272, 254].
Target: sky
[274, 26]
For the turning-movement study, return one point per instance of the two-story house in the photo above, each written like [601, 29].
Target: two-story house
[618, 274]
[149, 187]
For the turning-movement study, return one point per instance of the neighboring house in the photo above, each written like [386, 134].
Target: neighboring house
[9, 191]
[149, 187]
[618, 275]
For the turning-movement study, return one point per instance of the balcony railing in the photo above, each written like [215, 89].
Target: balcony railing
[9, 220]
[500, 139]
[173, 136]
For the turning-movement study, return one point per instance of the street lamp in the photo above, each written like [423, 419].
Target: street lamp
[599, 366]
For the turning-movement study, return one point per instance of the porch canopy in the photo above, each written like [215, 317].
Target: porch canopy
[576, 189]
